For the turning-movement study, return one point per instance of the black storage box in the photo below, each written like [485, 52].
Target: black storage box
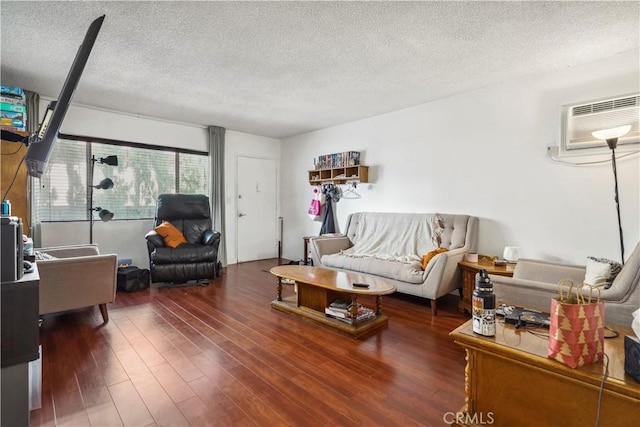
[632, 356]
[131, 279]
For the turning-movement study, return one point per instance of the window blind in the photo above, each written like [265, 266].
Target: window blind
[61, 193]
[140, 176]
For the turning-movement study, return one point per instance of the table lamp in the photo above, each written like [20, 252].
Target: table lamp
[511, 254]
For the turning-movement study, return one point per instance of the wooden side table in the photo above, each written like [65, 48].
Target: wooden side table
[510, 381]
[469, 270]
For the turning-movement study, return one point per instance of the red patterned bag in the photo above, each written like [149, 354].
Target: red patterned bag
[576, 332]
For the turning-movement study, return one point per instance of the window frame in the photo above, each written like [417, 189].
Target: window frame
[89, 140]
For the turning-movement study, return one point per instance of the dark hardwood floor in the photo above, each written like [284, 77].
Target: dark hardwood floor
[221, 356]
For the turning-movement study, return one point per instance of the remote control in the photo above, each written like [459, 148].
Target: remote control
[360, 285]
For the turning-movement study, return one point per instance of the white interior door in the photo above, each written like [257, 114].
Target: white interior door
[256, 215]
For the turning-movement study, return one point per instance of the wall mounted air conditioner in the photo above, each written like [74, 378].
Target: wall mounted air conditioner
[579, 120]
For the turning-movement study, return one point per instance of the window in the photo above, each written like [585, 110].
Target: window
[62, 194]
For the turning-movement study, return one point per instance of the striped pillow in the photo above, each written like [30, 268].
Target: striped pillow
[43, 256]
[601, 271]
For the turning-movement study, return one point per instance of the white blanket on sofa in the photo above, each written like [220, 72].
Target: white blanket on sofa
[404, 238]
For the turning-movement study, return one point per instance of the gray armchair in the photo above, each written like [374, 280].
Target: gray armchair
[535, 283]
[77, 277]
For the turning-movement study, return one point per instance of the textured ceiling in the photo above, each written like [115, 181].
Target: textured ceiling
[283, 68]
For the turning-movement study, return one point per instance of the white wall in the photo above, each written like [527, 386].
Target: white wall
[126, 237]
[483, 153]
[90, 121]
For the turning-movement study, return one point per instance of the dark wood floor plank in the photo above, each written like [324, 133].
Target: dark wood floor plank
[70, 410]
[129, 404]
[260, 375]
[183, 365]
[222, 410]
[241, 394]
[104, 414]
[303, 389]
[172, 382]
[147, 352]
[132, 362]
[108, 364]
[162, 408]
[220, 355]
[199, 413]
[113, 335]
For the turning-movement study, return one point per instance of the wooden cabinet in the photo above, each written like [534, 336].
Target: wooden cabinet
[12, 154]
[510, 381]
[469, 270]
[339, 175]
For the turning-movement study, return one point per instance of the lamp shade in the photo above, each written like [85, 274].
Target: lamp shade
[511, 253]
[105, 184]
[109, 160]
[105, 215]
[616, 132]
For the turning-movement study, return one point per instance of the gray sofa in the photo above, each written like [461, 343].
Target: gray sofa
[391, 245]
[535, 283]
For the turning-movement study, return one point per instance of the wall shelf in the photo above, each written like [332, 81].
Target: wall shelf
[339, 175]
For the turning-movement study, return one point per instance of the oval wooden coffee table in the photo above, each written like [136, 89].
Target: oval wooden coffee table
[318, 287]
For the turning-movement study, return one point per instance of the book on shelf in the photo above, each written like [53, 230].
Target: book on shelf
[11, 91]
[343, 306]
[10, 99]
[5, 106]
[337, 160]
[340, 304]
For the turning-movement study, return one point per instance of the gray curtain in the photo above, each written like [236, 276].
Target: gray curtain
[216, 164]
[33, 111]
[33, 123]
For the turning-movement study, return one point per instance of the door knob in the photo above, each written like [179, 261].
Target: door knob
[241, 215]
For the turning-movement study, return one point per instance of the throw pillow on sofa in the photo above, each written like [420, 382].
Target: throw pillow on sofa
[601, 271]
[426, 258]
[171, 235]
[43, 256]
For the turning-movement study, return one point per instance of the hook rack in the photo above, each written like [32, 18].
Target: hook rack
[350, 192]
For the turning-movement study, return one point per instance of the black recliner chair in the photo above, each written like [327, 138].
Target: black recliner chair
[195, 260]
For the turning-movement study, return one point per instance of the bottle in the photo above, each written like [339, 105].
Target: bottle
[483, 305]
[6, 208]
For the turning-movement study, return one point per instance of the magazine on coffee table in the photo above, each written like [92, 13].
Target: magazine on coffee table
[528, 316]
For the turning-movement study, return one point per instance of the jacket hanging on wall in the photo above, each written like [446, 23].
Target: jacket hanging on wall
[332, 194]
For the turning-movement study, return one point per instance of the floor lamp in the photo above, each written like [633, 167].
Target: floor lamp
[105, 184]
[611, 136]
